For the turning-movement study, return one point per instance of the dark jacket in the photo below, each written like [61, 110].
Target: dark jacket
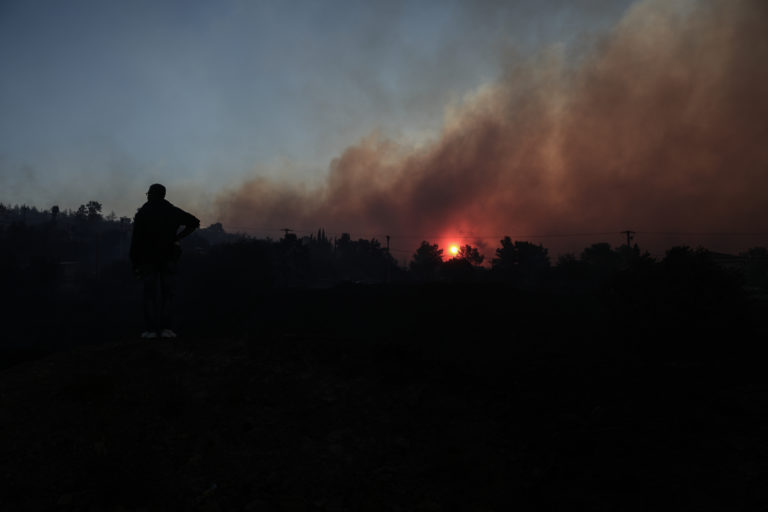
[155, 227]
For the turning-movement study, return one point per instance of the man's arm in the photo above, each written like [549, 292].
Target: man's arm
[190, 223]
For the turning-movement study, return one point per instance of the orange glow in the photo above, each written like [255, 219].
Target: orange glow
[454, 250]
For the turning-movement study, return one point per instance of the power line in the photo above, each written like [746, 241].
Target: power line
[459, 235]
[699, 233]
[470, 236]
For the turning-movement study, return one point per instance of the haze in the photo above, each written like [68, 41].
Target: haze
[435, 121]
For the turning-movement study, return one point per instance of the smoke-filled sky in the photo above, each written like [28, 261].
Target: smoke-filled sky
[443, 120]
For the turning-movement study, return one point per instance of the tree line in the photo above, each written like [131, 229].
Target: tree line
[67, 277]
[49, 246]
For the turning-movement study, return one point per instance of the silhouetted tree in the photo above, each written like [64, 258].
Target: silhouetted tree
[600, 262]
[465, 266]
[632, 256]
[522, 262]
[89, 211]
[601, 256]
[569, 273]
[470, 254]
[361, 260]
[427, 260]
[94, 210]
[567, 260]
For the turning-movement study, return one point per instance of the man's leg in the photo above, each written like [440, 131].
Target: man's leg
[166, 283]
[151, 302]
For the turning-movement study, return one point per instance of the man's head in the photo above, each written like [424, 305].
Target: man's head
[156, 192]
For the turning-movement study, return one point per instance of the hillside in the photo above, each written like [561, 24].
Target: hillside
[322, 419]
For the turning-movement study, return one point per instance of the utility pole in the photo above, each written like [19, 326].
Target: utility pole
[630, 236]
[287, 230]
[388, 260]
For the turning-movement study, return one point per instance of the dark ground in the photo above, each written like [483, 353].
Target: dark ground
[425, 398]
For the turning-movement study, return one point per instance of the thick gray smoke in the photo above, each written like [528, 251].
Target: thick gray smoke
[660, 126]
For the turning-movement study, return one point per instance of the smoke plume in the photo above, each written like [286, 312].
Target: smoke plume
[659, 126]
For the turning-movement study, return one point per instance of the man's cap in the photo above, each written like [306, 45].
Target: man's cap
[156, 190]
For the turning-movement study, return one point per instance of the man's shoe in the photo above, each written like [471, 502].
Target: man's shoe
[149, 335]
[167, 333]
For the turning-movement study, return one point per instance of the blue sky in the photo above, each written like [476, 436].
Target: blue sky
[98, 99]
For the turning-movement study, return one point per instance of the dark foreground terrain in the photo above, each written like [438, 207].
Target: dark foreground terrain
[429, 398]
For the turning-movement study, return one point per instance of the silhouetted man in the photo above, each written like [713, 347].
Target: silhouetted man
[155, 251]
